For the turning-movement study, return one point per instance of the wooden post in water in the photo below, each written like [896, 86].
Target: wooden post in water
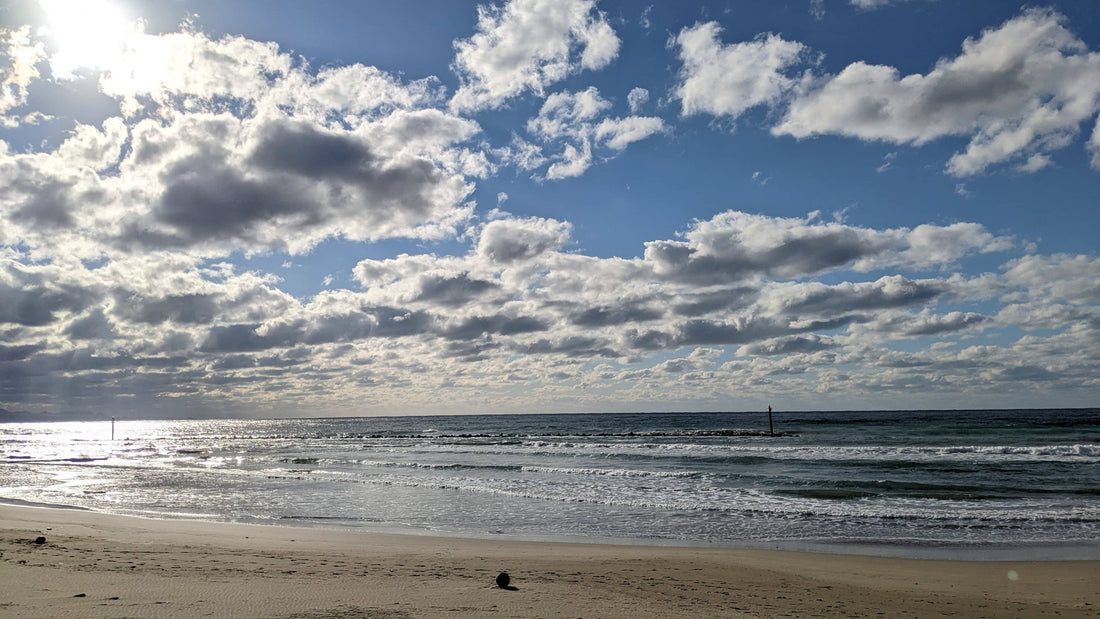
[771, 428]
[112, 428]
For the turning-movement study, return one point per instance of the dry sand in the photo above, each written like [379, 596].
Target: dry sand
[98, 565]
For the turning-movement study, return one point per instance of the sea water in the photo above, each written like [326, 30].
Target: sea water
[917, 483]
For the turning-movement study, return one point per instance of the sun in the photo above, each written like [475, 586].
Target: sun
[88, 33]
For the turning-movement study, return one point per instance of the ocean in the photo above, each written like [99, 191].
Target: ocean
[993, 484]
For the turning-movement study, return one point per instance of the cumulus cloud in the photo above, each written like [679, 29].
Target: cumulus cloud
[507, 241]
[265, 154]
[924, 323]
[729, 79]
[36, 296]
[815, 299]
[874, 4]
[1020, 90]
[517, 304]
[19, 58]
[188, 63]
[637, 98]
[112, 289]
[1059, 277]
[527, 45]
[577, 121]
[817, 9]
[1094, 145]
[789, 345]
[735, 246]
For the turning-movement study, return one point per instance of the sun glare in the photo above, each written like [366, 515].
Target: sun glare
[88, 33]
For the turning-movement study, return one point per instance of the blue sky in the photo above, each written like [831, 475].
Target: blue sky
[298, 209]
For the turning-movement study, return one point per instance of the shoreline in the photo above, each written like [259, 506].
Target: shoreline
[944, 551]
[132, 566]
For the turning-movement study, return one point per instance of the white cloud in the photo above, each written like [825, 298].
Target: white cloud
[1094, 145]
[360, 90]
[563, 113]
[735, 246]
[518, 304]
[874, 4]
[188, 63]
[817, 9]
[574, 121]
[925, 323]
[90, 147]
[727, 80]
[930, 245]
[20, 56]
[527, 45]
[110, 237]
[522, 154]
[1019, 90]
[637, 98]
[1035, 162]
[510, 240]
[618, 133]
[887, 162]
[1059, 277]
[229, 145]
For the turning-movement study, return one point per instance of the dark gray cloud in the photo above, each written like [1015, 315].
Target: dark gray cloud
[713, 332]
[38, 301]
[235, 338]
[888, 292]
[307, 151]
[571, 346]
[46, 206]
[304, 150]
[327, 328]
[698, 304]
[471, 350]
[651, 339]
[233, 362]
[19, 352]
[790, 345]
[94, 325]
[913, 325]
[452, 290]
[477, 326]
[735, 246]
[181, 308]
[90, 359]
[207, 200]
[512, 240]
[790, 257]
[605, 316]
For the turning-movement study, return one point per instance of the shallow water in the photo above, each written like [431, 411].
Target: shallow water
[911, 483]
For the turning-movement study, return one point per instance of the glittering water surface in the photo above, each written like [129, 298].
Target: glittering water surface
[967, 479]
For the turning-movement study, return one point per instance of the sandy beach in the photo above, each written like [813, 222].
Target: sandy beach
[99, 565]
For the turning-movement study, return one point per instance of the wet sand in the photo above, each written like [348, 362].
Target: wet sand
[99, 565]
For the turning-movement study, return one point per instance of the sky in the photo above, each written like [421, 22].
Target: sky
[272, 209]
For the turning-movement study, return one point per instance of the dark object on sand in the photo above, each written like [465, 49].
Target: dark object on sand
[503, 579]
[40, 540]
